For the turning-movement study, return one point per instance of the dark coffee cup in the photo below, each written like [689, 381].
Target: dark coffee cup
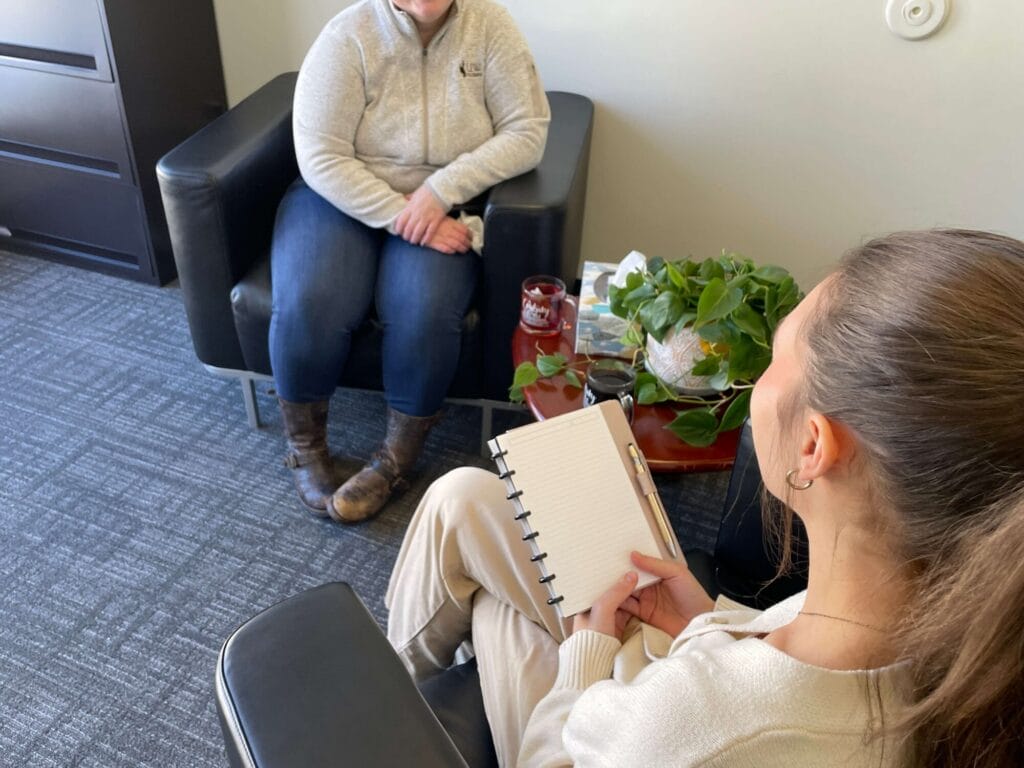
[610, 379]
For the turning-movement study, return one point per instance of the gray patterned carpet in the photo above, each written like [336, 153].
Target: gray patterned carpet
[141, 520]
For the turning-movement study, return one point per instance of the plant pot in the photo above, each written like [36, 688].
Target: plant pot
[672, 359]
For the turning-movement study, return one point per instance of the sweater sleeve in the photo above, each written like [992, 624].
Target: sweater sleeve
[583, 659]
[519, 111]
[329, 101]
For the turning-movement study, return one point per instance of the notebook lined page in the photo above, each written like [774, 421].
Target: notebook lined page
[582, 503]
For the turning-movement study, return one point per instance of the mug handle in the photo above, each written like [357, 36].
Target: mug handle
[570, 299]
[626, 401]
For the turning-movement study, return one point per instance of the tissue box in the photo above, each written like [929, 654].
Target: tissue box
[597, 330]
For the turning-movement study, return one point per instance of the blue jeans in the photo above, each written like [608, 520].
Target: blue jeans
[326, 268]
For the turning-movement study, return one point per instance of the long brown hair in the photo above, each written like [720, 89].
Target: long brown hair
[919, 350]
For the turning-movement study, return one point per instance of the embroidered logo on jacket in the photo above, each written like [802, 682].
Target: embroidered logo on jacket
[471, 69]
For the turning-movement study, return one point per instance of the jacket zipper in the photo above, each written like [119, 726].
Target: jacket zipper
[426, 111]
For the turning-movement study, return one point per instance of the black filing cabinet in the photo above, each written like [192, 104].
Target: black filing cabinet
[92, 94]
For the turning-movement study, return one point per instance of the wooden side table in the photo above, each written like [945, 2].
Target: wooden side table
[664, 451]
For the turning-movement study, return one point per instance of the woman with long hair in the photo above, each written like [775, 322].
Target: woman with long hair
[891, 422]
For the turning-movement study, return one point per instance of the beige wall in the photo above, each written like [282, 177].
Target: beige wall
[788, 130]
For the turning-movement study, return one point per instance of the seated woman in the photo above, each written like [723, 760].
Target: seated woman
[403, 109]
[890, 422]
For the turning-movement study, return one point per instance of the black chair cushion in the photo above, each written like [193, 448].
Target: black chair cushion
[251, 305]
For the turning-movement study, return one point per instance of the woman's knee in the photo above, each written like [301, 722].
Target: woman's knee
[465, 496]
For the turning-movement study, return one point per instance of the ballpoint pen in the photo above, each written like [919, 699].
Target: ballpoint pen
[647, 487]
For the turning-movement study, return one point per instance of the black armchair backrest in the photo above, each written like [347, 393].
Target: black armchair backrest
[746, 561]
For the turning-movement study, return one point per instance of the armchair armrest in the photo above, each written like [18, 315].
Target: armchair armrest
[533, 225]
[220, 189]
[312, 681]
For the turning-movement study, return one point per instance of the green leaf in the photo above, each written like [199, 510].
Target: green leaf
[661, 279]
[710, 268]
[729, 262]
[640, 293]
[785, 298]
[634, 280]
[616, 302]
[549, 365]
[747, 359]
[677, 277]
[739, 281]
[708, 366]
[647, 321]
[749, 321]
[655, 264]
[721, 380]
[722, 332]
[770, 274]
[525, 375]
[632, 337]
[697, 427]
[771, 313]
[515, 395]
[737, 411]
[645, 377]
[789, 295]
[716, 301]
[573, 379]
[684, 320]
[665, 310]
[647, 393]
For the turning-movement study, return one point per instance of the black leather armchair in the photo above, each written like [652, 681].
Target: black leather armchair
[312, 681]
[221, 189]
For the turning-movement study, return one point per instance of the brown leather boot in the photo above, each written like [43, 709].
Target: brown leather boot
[316, 474]
[363, 495]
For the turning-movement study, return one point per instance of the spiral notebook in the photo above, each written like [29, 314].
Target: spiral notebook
[581, 502]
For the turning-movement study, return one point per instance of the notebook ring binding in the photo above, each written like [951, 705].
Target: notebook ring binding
[499, 454]
[523, 515]
[538, 557]
[555, 599]
[531, 535]
[514, 495]
[546, 579]
[506, 475]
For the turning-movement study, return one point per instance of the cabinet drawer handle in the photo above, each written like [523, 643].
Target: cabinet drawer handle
[48, 56]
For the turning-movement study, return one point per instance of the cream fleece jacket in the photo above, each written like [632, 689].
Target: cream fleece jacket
[377, 114]
[721, 697]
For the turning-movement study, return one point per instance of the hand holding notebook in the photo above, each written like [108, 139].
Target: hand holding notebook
[585, 499]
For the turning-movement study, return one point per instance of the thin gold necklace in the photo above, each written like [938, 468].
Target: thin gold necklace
[840, 618]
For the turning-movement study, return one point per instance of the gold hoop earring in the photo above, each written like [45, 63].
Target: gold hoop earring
[794, 486]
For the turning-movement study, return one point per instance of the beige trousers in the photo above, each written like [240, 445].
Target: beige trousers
[464, 572]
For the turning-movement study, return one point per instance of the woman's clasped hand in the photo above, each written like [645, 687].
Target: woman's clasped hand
[423, 221]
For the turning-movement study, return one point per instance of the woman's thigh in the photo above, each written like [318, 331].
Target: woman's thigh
[323, 262]
[420, 288]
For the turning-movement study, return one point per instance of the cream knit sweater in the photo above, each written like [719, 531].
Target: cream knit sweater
[721, 697]
[377, 114]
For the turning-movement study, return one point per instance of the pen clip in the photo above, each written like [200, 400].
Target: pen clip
[643, 475]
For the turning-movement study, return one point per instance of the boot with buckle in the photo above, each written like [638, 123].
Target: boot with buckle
[363, 495]
[315, 472]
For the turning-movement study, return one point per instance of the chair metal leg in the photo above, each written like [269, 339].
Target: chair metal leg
[249, 398]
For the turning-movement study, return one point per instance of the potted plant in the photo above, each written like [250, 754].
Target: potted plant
[724, 313]
[714, 319]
